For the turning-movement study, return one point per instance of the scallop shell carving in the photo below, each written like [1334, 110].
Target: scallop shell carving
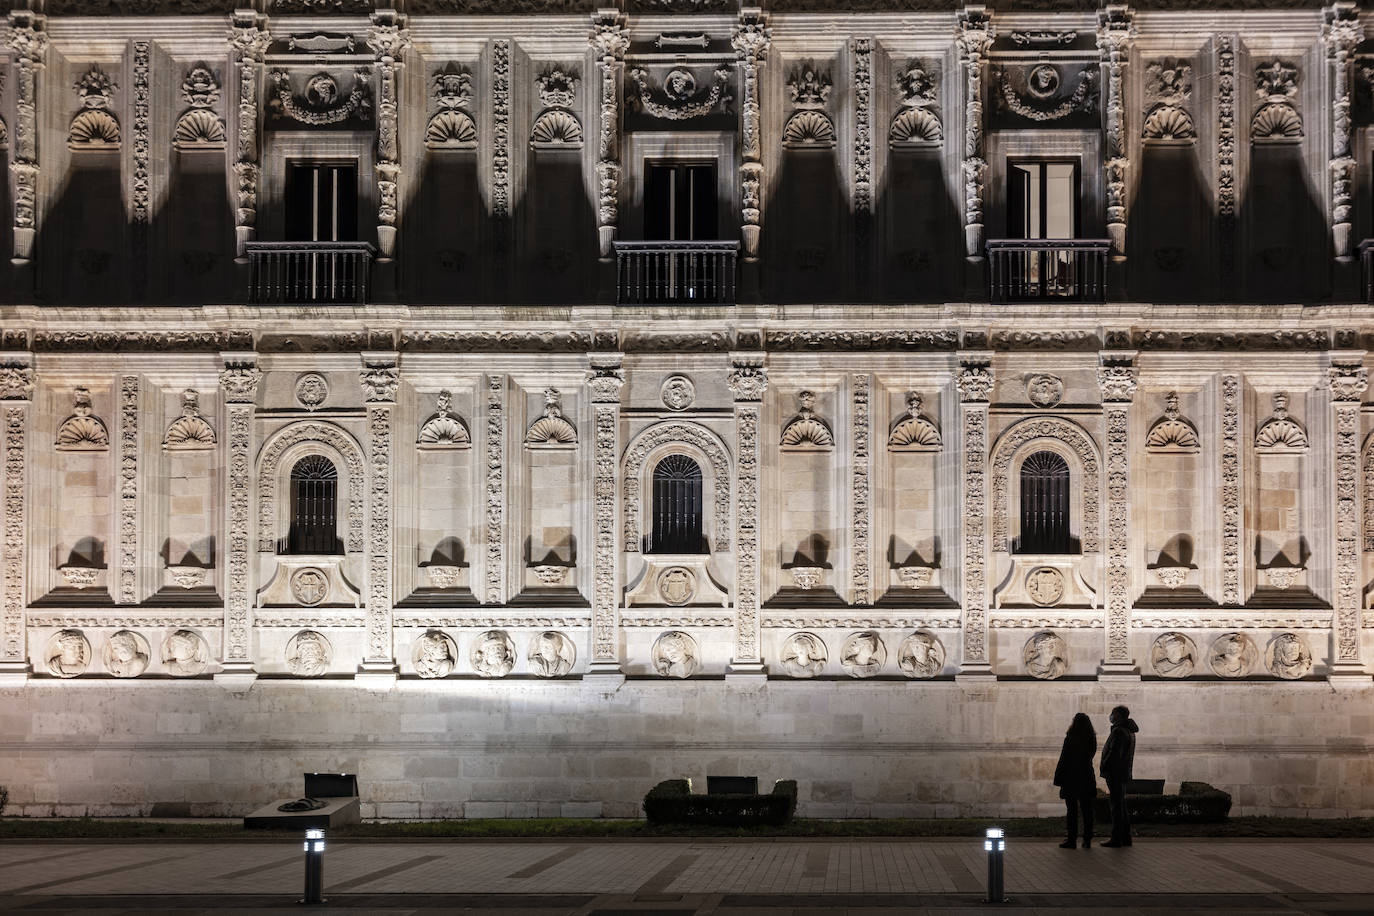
[807, 432]
[189, 433]
[93, 127]
[808, 128]
[451, 129]
[444, 429]
[199, 128]
[1276, 122]
[914, 433]
[82, 434]
[1169, 122]
[556, 128]
[551, 431]
[916, 125]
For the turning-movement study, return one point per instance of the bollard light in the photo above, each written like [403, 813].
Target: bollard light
[995, 845]
[314, 866]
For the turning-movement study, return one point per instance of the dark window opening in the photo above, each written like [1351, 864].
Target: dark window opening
[677, 507]
[321, 202]
[680, 202]
[1042, 199]
[1045, 505]
[314, 507]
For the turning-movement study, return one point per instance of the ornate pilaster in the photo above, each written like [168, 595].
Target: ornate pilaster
[861, 520]
[500, 129]
[29, 44]
[604, 380]
[388, 40]
[751, 42]
[1348, 379]
[379, 378]
[975, 37]
[238, 384]
[748, 382]
[1231, 592]
[128, 590]
[141, 194]
[1115, 33]
[1116, 377]
[862, 50]
[16, 392]
[494, 575]
[1226, 155]
[974, 384]
[609, 40]
[249, 38]
[1341, 32]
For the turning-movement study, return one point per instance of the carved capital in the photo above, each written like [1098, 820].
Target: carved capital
[1117, 380]
[1348, 382]
[26, 38]
[380, 379]
[1115, 32]
[606, 378]
[16, 381]
[609, 37]
[748, 379]
[1341, 29]
[974, 382]
[975, 34]
[752, 37]
[388, 40]
[248, 35]
[239, 381]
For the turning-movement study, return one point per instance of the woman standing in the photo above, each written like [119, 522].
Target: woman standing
[1074, 777]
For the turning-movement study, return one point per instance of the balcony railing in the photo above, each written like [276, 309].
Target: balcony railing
[1048, 270]
[319, 272]
[1367, 262]
[665, 273]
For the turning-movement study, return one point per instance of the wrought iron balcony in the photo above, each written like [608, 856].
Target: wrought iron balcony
[1367, 262]
[667, 273]
[315, 272]
[1048, 270]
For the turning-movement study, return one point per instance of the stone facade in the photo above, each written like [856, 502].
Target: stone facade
[861, 616]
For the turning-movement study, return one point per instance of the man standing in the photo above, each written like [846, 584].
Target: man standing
[1118, 757]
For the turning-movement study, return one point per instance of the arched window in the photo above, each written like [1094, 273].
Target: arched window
[1044, 505]
[314, 507]
[677, 507]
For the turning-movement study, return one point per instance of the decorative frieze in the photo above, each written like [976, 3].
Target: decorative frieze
[860, 533]
[1342, 32]
[249, 38]
[974, 38]
[609, 40]
[1348, 382]
[1230, 491]
[128, 489]
[15, 393]
[140, 196]
[1115, 35]
[28, 44]
[751, 41]
[388, 40]
[494, 591]
[238, 386]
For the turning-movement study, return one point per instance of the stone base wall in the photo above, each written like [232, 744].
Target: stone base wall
[484, 749]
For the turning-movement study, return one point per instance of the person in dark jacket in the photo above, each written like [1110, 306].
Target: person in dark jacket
[1074, 777]
[1118, 758]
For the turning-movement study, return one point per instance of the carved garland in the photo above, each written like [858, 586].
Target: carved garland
[1076, 439]
[861, 577]
[676, 433]
[496, 489]
[310, 431]
[128, 490]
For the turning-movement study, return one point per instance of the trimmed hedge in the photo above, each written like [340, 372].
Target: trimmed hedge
[1195, 803]
[672, 802]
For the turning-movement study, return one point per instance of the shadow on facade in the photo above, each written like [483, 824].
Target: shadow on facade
[807, 231]
[918, 252]
[191, 239]
[1286, 255]
[1172, 228]
[83, 241]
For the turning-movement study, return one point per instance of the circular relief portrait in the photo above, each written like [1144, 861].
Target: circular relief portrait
[434, 654]
[551, 654]
[863, 654]
[311, 390]
[921, 655]
[1288, 657]
[1173, 655]
[308, 654]
[493, 654]
[804, 655]
[1045, 656]
[675, 654]
[68, 654]
[185, 654]
[1233, 655]
[126, 654]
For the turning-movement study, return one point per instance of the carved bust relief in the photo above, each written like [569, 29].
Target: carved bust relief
[1046, 656]
[126, 654]
[675, 654]
[551, 654]
[863, 654]
[68, 654]
[1232, 655]
[434, 654]
[1288, 657]
[493, 654]
[185, 654]
[1174, 655]
[312, 389]
[803, 655]
[921, 655]
[308, 654]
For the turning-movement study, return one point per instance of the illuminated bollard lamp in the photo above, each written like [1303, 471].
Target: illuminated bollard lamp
[314, 866]
[995, 845]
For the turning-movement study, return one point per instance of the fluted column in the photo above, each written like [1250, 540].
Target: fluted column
[1115, 33]
[16, 393]
[249, 38]
[974, 38]
[974, 384]
[1348, 379]
[29, 45]
[1341, 33]
[379, 378]
[751, 42]
[238, 384]
[609, 40]
[604, 380]
[388, 40]
[1116, 377]
[748, 382]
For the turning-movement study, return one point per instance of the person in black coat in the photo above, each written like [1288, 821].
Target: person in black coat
[1074, 777]
[1118, 761]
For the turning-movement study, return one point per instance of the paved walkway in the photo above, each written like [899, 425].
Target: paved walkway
[690, 878]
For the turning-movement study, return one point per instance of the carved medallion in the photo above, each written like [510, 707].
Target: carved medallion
[921, 655]
[1288, 656]
[1232, 655]
[1173, 655]
[677, 585]
[308, 654]
[311, 390]
[68, 654]
[126, 654]
[493, 654]
[675, 654]
[1045, 656]
[1045, 585]
[804, 655]
[1044, 390]
[434, 654]
[185, 654]
[551, 654]
[1043, 81]
[678, 392]
[863, 654]
[309, 586]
